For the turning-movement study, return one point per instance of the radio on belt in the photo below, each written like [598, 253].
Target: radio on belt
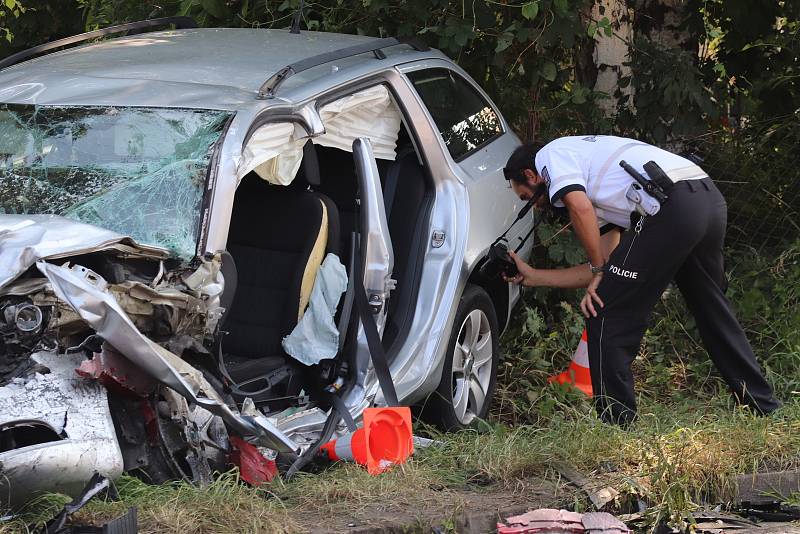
[648, 195]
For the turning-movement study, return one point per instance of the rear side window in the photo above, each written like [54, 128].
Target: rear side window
[464, 118]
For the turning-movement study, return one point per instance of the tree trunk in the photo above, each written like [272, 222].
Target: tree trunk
[610, 53]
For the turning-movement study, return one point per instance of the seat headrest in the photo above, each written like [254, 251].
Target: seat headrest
[309, 166]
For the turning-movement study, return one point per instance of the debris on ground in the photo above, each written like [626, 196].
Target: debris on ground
[600, 496]
[97, 485]
[552, 521]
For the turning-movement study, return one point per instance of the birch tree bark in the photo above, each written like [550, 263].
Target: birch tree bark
[611, 52]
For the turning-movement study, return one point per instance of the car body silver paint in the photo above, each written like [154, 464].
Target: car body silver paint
[468, 205]
[209, 68]
[73, 407]
[378, 252]
[467, 199]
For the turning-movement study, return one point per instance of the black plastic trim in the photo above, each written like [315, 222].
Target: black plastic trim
[178, 22]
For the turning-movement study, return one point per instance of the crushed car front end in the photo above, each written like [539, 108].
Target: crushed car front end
[103, 300]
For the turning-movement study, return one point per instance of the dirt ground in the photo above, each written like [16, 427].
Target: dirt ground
[474, 510]
[443, 510]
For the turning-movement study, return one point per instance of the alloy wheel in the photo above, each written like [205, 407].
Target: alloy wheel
[472, 366]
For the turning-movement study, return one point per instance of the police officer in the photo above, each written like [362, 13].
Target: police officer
[677, 238]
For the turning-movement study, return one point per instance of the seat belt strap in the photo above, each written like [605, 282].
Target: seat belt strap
[392, 177]
[339, 406]
[379, 361]
[378, 355]
[347, 305]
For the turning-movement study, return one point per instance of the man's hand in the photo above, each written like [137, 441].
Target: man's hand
[591, 297]
[525, 271]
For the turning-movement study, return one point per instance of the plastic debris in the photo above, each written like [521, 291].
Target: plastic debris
[551, 521]
[254, 468]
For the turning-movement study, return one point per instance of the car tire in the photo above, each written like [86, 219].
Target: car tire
[469, 374]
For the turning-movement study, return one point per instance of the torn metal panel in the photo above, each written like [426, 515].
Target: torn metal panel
[88, 294]
[193, 440]
[26, 239]
[117, 373]
[77, 410]
[207, 283]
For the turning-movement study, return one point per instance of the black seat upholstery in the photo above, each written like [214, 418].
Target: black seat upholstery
[277, 236]
[404, 201]
[338, 182]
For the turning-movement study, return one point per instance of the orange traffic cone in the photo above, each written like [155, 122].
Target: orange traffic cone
[577, 374]
[384, 440]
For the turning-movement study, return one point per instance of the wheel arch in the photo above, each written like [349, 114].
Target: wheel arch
[498, 293]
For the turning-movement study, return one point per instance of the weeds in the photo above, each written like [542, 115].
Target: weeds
[691, 439]
[688, 444]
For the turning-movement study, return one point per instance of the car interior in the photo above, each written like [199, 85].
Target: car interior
[277, 240]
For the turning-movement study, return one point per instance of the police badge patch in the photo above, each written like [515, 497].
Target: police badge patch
[546, 176]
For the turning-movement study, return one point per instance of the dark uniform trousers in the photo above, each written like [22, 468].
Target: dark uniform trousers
[683, 241]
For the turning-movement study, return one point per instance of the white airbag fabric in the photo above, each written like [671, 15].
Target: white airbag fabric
[274, 152]
[316, 338]
[369, 113]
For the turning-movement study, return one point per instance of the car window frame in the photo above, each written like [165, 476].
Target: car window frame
[477, 91]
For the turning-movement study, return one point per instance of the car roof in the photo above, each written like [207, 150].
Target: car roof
[215, 68]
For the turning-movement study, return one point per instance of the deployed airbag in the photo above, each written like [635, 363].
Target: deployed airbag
[370, 113]
[274, 152]
[315, 337]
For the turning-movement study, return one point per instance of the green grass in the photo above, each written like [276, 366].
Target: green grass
[688, 444]
[670, 458]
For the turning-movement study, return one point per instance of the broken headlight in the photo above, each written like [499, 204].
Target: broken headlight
[21, 326]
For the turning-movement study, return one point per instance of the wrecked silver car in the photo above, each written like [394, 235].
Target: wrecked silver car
[182, 247]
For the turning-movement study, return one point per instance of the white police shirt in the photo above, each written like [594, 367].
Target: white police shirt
[591, 164]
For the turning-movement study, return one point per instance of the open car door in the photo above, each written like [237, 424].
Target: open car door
[376, 244]
[376, 258]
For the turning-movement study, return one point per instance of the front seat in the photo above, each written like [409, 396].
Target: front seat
[278, 238]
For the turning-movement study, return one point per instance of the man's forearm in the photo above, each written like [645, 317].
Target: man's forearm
[569, 278]
[584, 223]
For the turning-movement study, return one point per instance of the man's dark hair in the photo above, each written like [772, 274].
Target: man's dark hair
[522, 158]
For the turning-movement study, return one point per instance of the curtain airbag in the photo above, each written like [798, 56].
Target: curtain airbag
[369, 113]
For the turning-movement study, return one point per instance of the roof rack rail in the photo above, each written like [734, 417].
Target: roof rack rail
[268, 88]
[179, 22]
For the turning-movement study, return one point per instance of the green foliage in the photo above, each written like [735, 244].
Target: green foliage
[9, 9]
[526, 53]
[670, 97]
[756, 169]
[40, 22]
[672, 366]
[754, 54]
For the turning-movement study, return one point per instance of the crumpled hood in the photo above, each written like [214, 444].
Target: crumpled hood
[26, 239]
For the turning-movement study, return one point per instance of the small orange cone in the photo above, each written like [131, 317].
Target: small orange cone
[385, 439]
[577, 374]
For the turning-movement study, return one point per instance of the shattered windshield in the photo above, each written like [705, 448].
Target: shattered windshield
[137, 171]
